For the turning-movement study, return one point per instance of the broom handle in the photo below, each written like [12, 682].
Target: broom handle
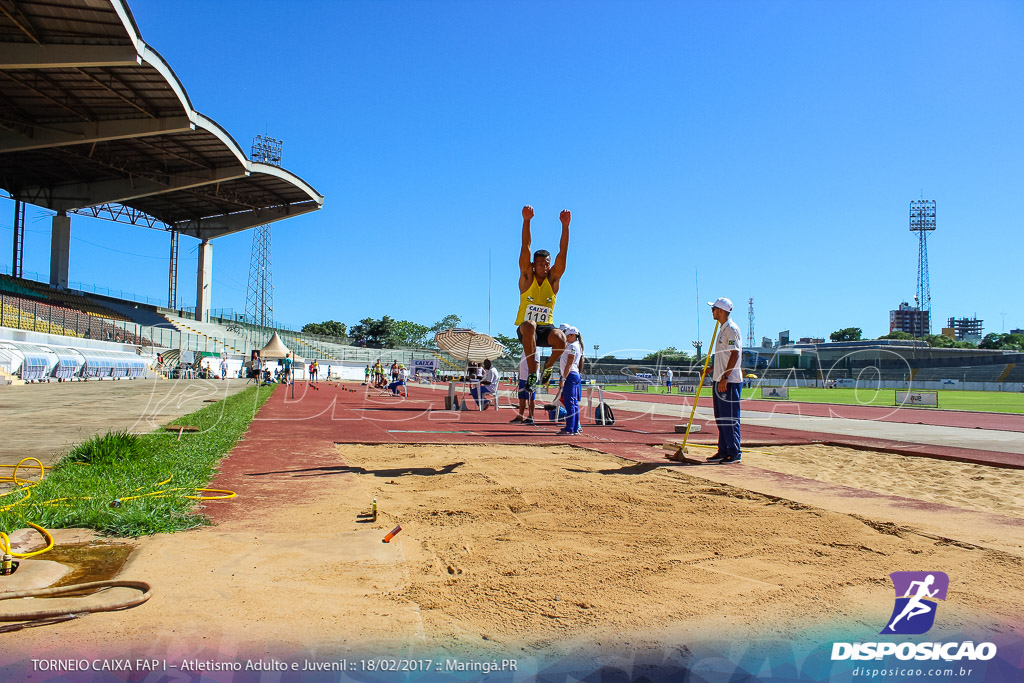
[700, 384]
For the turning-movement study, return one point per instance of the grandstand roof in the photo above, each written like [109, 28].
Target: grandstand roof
[91, 116]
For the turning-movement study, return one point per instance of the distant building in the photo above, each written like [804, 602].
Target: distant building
[1016, 331]
[966, 329]
[766, 343]
[909, 319]
[810, 340]
[784, 338]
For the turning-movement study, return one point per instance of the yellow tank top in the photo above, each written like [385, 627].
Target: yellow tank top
[537, 304]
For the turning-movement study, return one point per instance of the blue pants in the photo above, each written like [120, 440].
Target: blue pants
[727, 418]
[571, 394]
[394, 386]
[484, 390]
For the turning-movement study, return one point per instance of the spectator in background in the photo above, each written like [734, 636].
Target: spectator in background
[401, 376]
[314, 370]
[286, 366]
[488, 384]
[223, 368]
[527, 397]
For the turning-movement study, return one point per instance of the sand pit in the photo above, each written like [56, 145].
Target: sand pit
[964, 485]
[531, 547]
[527, 551]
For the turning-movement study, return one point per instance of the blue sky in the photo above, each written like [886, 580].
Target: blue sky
[764, 149]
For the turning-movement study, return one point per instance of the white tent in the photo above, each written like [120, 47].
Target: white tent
[275, 348]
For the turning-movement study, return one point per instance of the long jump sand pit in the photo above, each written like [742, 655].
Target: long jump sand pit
[566, 549]
[523, 551]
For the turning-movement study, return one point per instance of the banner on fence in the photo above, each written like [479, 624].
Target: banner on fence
[781, 393]
[917, 398]
[426, 366]
[643, 381]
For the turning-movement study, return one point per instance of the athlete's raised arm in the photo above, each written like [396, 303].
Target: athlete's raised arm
[558, 268]
[525, 257]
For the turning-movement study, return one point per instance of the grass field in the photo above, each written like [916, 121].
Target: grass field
[986, 401]
[133, 485]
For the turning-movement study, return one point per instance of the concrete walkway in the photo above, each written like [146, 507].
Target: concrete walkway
[45, 420]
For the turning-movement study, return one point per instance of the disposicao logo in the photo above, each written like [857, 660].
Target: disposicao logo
[917, 594]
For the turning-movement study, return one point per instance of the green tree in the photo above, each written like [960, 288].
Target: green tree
[898, 334]
[375, 333]
[846, 334]
[940, 341]
[514, 346]
[668, 355]
[449, 321]
[1004, 341]
[407, 333]
[328, 328]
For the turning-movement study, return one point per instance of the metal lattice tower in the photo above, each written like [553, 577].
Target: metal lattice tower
[750, 324]
[259, 295]
[922, 221]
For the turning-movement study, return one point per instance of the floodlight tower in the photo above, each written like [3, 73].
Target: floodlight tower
[750, 324]
[922, 221]
[259, 295]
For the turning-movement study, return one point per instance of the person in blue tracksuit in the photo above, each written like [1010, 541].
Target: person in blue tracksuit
[570, 365]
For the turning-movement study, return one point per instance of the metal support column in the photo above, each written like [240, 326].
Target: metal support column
[172, 276]
[17, 262]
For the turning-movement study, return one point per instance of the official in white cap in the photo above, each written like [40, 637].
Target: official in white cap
[570, 366]
[727, 378]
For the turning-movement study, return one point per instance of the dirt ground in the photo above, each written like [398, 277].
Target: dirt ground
[546, 551]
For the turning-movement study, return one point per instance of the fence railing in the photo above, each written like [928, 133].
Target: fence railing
[94, 289]
[36, 316]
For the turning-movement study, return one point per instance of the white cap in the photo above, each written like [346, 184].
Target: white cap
[569, 329]
[722, 303]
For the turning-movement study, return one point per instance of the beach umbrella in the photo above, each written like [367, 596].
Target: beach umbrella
[465, 344]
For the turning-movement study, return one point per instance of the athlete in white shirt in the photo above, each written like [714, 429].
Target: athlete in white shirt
[728, 380]
[569, 364]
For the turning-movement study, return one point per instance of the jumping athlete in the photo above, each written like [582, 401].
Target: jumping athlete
[538, 289]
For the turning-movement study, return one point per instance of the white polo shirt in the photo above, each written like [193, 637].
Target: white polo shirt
[574, 350]
[729, 339]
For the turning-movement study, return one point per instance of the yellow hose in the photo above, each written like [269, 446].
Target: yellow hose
[5, 543]
[14, 476]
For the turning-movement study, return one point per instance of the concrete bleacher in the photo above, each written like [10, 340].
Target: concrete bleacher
[39, 316]
[983, 373]
[57, 297]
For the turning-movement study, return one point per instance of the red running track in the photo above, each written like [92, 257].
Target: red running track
[926, 416]
[295, 438]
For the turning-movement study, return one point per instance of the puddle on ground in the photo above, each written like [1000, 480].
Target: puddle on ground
[89, 561]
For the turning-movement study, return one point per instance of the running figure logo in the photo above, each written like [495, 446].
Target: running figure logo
[917, 594]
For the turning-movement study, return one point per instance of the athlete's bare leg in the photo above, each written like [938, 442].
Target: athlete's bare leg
[557, 340]
[528, 332]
